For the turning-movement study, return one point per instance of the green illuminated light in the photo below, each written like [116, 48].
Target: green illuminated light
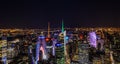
[62, 26]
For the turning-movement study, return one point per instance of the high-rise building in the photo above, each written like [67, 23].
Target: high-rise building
[83, 53]
[3, 50]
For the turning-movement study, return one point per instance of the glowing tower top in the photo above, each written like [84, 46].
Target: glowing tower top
[62, 26]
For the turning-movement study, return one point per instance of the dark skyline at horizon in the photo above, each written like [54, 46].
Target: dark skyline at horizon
[36, 14]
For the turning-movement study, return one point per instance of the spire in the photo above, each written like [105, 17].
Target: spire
[48, 29]
[62, 26]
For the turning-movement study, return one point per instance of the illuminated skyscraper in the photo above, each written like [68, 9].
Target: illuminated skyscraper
[3, 50]
[83, 53]
[92, 39]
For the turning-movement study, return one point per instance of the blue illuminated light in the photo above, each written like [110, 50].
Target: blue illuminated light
[66, 37]
[4, 58]
[41, 37]
[58, 44]
[37, 50]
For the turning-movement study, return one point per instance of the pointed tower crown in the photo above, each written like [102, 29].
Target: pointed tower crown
[62, 26]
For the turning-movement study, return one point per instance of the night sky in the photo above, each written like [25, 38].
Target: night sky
[37, 13]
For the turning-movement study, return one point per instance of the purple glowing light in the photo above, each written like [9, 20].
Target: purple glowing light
[92, 39]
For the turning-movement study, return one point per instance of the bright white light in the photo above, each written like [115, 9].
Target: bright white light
[44, 57]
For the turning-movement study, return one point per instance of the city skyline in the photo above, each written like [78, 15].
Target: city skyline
[36, 14]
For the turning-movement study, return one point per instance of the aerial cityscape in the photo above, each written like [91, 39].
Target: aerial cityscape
[59, 32]
[60, 46]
